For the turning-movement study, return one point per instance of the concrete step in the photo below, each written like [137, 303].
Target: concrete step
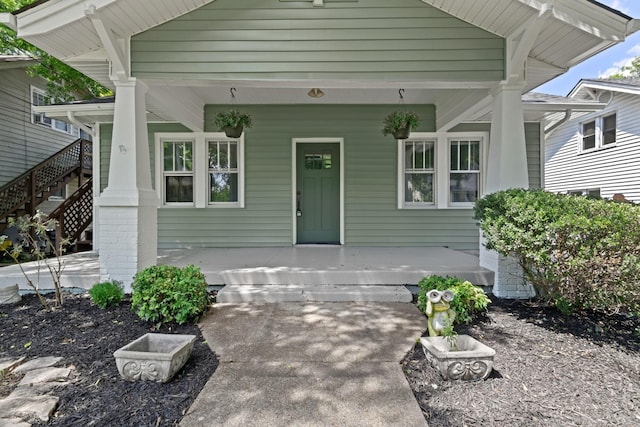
[316, 293]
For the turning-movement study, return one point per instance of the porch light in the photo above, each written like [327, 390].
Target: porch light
[315, 93]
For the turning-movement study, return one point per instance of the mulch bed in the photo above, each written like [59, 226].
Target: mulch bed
[549, 369]
[86, 337]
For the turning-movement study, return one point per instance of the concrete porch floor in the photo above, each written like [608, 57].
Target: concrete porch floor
[299, 265]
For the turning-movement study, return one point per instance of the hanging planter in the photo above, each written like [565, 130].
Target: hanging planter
[232, 122]
[400, 123]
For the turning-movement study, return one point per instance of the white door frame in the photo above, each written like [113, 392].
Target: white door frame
[294, 177]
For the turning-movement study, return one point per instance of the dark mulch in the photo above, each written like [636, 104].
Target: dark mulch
[86, 338]
[549, 370]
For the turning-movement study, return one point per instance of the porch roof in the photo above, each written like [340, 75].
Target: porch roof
[90, 38]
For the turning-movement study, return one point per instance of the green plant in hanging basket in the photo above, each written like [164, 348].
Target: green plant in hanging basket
[400, 123]
[232, 122]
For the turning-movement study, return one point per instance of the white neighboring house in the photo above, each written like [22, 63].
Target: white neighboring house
[598, 154]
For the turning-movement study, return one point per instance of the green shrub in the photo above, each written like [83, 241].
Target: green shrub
[165, 294]
[578, 253]
[468, 302]
[106, 294]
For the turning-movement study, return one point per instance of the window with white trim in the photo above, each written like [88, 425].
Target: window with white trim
[464, 171]
[441, 170]
[598, 132]
[223, 171]
[200, 170]
[419, 172]
[177, 171]
[38, 98]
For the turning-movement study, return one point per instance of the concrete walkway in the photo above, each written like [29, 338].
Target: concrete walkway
[309, 364]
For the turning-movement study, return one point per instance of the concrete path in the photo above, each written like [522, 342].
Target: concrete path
[309, 364]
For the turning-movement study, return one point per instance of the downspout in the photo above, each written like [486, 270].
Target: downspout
[566, 118]
[72, 118]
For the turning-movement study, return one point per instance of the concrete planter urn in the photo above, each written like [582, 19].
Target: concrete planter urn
[154, 357]
[471, 361]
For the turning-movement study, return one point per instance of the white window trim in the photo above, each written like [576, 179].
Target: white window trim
[442, 161]
[599, 132]
[200, 168]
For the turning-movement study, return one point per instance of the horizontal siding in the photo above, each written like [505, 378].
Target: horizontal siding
[371, 215]
[377, 39]
[23, 144]
[613, 170]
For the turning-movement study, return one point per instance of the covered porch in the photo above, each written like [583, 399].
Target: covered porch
[286, 269]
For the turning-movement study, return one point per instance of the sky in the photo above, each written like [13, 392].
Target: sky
[605, 63]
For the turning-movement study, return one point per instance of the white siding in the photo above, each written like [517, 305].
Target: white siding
[614, 169]
[22, 144]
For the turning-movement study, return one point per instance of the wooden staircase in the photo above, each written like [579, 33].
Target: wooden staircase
[23, 195]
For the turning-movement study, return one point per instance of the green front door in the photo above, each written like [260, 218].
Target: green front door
[318, 193]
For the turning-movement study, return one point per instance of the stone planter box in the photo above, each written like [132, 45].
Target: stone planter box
[154, 357]
[471, 361]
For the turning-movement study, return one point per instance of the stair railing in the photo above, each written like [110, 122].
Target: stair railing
[24, 191]
[74, 214]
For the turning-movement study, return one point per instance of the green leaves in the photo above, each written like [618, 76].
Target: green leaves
[164, 294]
[107, 294]
[578, 253]
[468, 302]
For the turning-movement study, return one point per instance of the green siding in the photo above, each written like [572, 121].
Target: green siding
[366, 40]
[371, 214]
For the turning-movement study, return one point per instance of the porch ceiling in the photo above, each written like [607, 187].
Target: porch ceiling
[575, 30]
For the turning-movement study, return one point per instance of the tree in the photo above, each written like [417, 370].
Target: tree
[626, 71]
[64, 83]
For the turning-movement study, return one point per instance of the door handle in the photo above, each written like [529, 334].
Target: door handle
[298, 209]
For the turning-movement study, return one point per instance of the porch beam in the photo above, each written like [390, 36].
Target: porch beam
[182, 104]
[518, 51]
[116, 54]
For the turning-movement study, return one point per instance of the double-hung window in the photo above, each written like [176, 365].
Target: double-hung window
[200, 170]
[441, 170]
[464, 171]
[178, 172]
[599, 132]
[223, 171]
[419, 173]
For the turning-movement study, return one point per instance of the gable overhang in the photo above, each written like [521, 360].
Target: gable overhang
[591, 89]
[543, 39]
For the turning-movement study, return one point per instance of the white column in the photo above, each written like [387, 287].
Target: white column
[128, 205]
[506, 168]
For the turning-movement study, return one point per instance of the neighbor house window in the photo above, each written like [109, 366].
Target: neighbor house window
[200, 170]
[464, 171]
[178, 171]
[599, 132]
[419, 173]
[38, 98]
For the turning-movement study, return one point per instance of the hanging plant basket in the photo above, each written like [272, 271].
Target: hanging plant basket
[400, 123]
[232, 122]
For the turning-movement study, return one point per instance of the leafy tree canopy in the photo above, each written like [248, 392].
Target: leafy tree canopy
[632, 70]
[64, 83]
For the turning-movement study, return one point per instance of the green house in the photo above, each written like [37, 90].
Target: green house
[318, 77]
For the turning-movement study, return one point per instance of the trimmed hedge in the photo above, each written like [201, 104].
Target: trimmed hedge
[578, 253]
